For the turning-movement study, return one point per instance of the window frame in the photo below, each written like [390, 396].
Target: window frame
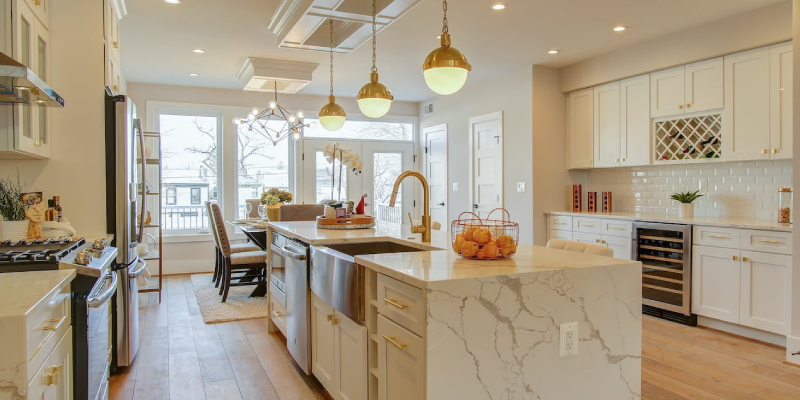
[171, 192]
[192, 191]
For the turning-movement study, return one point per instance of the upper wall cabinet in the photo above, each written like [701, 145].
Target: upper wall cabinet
[607, 143]
[689, 88]
[581, 129]
[745, 122]
[42, 10]
[780, 100]
[635, 121]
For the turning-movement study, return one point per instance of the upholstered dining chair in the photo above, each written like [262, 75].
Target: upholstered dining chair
[579, 247]
[300, 212]
[235, 248]
[254, 203]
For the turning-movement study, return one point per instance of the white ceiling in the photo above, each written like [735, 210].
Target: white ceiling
[157, 38]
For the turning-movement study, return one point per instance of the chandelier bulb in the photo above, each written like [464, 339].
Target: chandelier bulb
[292, 118]
[273, 104]
[237, 121]
[251, 117]
[301, 114]
[296, 136]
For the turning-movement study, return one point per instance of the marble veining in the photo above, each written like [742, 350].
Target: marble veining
[741, 223]
[20, 292]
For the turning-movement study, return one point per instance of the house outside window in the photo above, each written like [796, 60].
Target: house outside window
[172, 196]
[195, 196]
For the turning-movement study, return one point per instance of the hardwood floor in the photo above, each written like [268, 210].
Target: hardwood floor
[183, 358]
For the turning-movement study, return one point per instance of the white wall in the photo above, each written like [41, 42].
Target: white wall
[510, 93]
[763, 26]
[793, 340]
[76, 171]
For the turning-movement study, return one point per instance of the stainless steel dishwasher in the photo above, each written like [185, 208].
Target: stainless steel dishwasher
[295, 256]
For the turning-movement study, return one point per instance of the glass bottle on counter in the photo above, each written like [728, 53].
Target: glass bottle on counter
[57, 201]
[785, 214]
[50, 214]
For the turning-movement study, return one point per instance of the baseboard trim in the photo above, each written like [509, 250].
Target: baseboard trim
[792, 346]
[744, 332]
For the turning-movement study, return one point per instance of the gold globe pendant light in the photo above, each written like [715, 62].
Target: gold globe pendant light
[332, 115]
[445, 69]
[374, 99]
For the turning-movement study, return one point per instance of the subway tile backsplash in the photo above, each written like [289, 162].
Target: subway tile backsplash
[731, 189]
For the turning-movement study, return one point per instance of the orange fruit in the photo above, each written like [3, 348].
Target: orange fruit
[469, 249]
[458, 243]
[506, 245]
[482, 236]
[468, 234]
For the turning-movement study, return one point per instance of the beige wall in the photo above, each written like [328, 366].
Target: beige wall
[757, 28]
[76, 171]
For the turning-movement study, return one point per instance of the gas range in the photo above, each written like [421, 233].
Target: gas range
[37, 255]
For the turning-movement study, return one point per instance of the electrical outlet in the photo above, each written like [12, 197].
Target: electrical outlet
[521, 187]
[455, 187]
[568, 345]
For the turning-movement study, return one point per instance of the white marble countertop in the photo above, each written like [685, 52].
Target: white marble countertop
[423, 268]
[21, 291]
[704, 221]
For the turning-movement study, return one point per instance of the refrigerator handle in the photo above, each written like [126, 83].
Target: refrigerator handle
[137, 126]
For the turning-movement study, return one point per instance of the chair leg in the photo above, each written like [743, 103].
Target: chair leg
[216, 267]
[223, 269]
[227, 282]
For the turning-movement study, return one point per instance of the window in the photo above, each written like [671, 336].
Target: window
[189, 166]
[260, 164]
[370, 130]
[214, 193]
[195, 196]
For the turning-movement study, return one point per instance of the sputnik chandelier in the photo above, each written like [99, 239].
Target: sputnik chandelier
[288, 124]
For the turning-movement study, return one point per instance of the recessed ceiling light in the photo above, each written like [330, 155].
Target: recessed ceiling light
[499, 6]
[198, 51]
[552, 52]
[173, 1]
[194, 74]
[619, 28]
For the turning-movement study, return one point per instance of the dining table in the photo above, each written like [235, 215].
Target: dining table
[256, 231]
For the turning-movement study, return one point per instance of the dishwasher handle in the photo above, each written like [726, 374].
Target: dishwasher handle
[290, 252]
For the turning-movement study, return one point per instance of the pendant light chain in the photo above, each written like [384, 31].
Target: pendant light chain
[374, 46]
[445, 28]
[331, 21]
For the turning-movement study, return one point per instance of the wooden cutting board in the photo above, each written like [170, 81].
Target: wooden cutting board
[352, 222]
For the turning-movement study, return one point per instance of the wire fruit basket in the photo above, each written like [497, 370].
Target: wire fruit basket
[485, 239]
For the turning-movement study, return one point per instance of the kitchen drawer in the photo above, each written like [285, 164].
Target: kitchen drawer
[46, 324]
[559, 222]
[717, 237]
[617, 227]
[556, 234]
[587, 238]
[402, 303]
[767, 241]
[278, 315]
[587, 225]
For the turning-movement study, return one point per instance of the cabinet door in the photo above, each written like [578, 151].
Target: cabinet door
[41, 8]
[635, 121]
[745, 122]
[587, 238]
[401, 363]
[41, 114]
[666, 92]
[352, 372]
[24, 25]
[703, 85]
[581, 129]
[766, 286]
[323, 343]
[620, 245]
[715, 283]
[53, 381]
[780, 103]
[606, 125]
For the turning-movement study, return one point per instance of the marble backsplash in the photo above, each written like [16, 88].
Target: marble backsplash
[731, 189]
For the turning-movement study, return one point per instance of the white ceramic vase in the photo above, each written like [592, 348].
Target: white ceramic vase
[687, 210]
[13, 230]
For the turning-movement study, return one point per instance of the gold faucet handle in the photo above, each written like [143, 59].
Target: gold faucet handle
[418, 229]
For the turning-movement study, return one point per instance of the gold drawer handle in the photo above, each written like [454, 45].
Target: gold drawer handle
[769, 241]
[277, 314]
[52, 379]
[717, 236]
[619, 229]
[55, 327]
[395, 303]
[589, 225]
[391, 339]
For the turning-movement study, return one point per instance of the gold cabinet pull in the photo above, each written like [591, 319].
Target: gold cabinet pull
[775, 151]
[37, 2]
[277, 313]
[391, 339]
[623, 159]
[115, 44]
[395, 304]
[329, 316]
[689, 105]
[764, 151]
[769, 241]
[717, 236]
[745, 259]
[55, 327]
[735, 258]
[680, 106]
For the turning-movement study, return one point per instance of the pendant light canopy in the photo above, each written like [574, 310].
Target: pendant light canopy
[332, 115]
[374, 99]
[445, 69]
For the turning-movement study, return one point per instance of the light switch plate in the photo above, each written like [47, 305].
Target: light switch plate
[455, 187]
[521, 187]
[568, 345]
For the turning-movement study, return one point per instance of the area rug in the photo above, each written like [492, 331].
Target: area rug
[237, 307]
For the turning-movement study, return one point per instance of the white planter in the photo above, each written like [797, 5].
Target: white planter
[687, 210]
[13, 230]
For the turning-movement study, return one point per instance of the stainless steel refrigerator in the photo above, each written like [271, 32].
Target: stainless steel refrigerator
[124, 201]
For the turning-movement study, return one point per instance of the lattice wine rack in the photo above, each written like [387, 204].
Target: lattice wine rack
[692, 138]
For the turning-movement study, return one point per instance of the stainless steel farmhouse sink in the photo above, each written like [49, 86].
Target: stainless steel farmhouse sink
[339, 281]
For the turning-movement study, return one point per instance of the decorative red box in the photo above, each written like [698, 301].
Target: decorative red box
[606, 201]
[577, 198]
[592, 200]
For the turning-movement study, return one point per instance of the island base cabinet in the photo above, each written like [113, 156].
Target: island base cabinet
[766, 280]
[323, 361]
[53, 381]
[401, 362]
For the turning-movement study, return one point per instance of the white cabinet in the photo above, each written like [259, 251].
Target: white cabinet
[401, 362]
[780, 103]
[338, 352]
[53, 381]
[612, 233]
[635, 121]
[621, 246]
[607, 143]
[689, 88]
[745, 122]
[715, 283]
[41, 8]
[581, 129]
[765, 292]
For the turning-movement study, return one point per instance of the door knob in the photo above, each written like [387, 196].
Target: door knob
[475, 206]
[440, 204]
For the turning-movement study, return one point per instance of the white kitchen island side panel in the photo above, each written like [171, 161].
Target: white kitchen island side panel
[498, 337]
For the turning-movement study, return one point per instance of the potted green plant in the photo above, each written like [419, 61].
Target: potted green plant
[14, 225]
[273, 199]
[686, 199]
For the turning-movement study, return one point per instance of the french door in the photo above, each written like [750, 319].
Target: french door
[383, 162]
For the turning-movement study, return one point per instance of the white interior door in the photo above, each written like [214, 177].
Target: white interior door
[435, 139]
[383, 163]
[486, 162]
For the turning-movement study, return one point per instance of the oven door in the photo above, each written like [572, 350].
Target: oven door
[277, 279]
[99, 335]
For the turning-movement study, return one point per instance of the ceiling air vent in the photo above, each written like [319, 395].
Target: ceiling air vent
[262, 75]
[427, 109]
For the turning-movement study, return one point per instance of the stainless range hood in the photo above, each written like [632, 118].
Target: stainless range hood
[19, 85]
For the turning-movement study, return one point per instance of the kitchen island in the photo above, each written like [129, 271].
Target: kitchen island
[442, 327]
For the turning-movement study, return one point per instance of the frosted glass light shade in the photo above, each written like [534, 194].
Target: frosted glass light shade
[445, 80]
[333, 123]
[373, 107]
